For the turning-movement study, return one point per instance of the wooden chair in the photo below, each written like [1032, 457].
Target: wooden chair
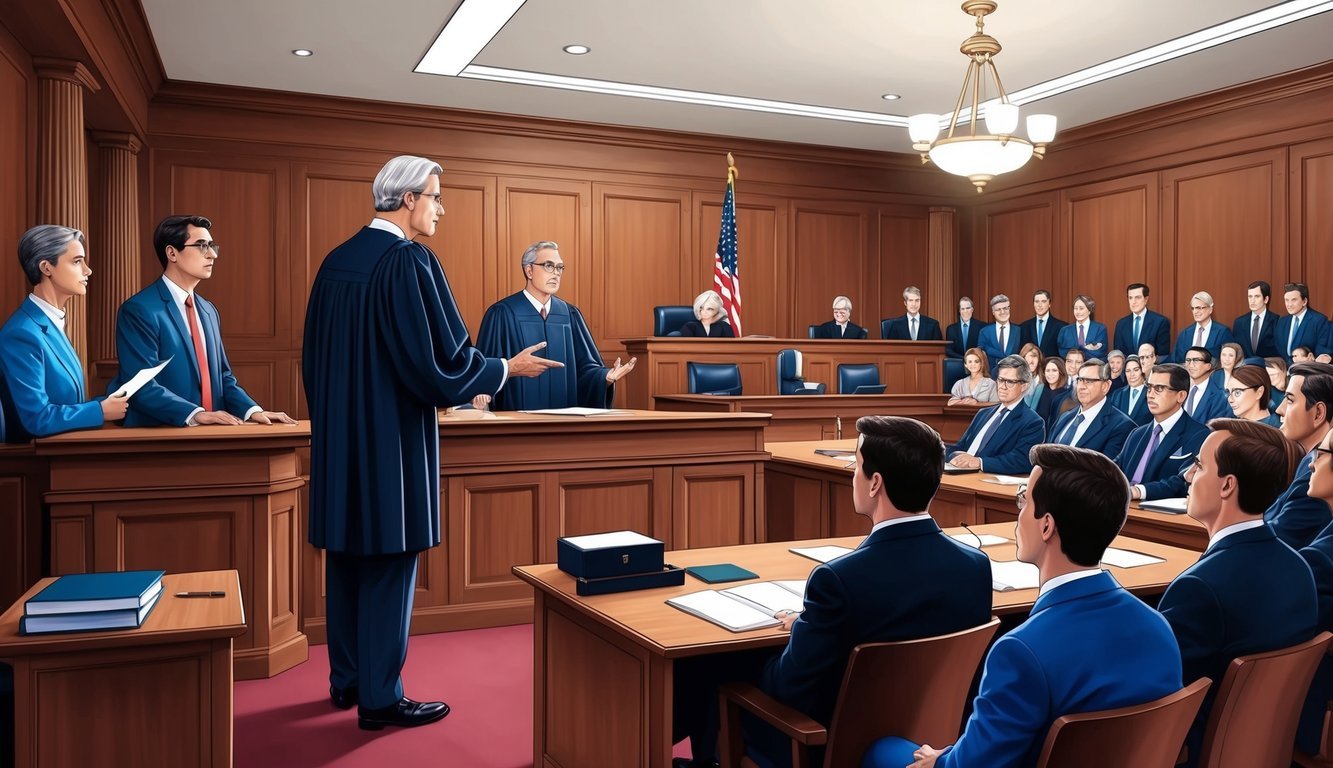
[1253, 722]
[867, 706]
[1146, 735]
[1324, 757]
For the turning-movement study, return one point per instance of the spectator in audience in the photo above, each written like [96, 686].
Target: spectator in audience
[841, 326]
[1211, 607]
[1302, 327]
[1073, 361]
[1306, 411]
[1302, 354]
[1095, 424]
[964, 334]
[1087, 645]
[1084, 333]
[1000, 338]
[1148, 358]
[1132, 399]
[1117, 360]
[1142, 325]
[1043, 328]
[1205, 400]
[977, 387]
[1319, 556]
[1055, 390]
[1227, 360]
[1032, 354]
[913, 326]
[710, 318]
[1155, 453]
[1249, 393]
[1277, 374]
[1253, 330]
[999, 438]
[1203, 332]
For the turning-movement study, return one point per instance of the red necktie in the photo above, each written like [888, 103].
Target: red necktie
[197, 335]
[544, 312]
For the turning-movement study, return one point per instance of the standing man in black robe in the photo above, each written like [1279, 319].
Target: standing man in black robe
[384, 347]
[535, 316]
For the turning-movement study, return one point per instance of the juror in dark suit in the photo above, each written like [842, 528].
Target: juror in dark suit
[1203, 332]
[1133, 402]
[1142, 326]
[1088, 643]
[1302, 326]
[1297, 515]
[1001, 338]
[901, 328]
[1043, 328]
[964, 334]
[384, 347]
[999, 438]
[1106, 428]
[169, 320]
[841, 326]
[1253, 331]
[1319, 556]
[1249, 592]
[1155, 454]
[41, 378]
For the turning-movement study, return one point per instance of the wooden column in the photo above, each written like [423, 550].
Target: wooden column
[115, 255]
[943, 276]
[62, 165]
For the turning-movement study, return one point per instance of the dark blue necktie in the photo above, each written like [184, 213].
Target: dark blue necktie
[991, 430]
[1067, 437]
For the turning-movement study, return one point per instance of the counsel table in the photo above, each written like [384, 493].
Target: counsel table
[603, 665]
[154, 697]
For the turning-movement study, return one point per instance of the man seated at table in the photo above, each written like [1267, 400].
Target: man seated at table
[1307, 416]
[1155, 453]
[1212, 607]
[1204, 403]
[1319, 556]
[906, 580]
[841, 326]
[1088, 644]
[1095, 424]
[999, 438]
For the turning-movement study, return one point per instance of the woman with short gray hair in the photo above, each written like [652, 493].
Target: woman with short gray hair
[710, 318]
[41, 378]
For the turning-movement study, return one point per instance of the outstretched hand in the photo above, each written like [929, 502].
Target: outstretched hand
[528, 365]
[618, 371]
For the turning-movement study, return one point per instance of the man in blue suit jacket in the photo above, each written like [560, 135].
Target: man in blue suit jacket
[1088, 644]
[1155, 454]
[999, 438]
[1307, 410]
[1142, 325]
[1206, 398]
[1095, 425]
[906, 580]
[1302, 326]
[1319, 556]
[1203, 332]
[912, 326]
[169, 320]
[1253, 331]
[1043, 328]
[1249, 592]
[1001, 338]
[1132, 399]
[964, 334]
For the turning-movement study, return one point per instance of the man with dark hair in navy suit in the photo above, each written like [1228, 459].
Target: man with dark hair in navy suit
[964, 334]
[1155, 454]
[1307, 417]
[1253, 330]
[906, 580]
[1132, 399]
[1095, 425]
[1302, 326]
[999, 438]
[1206, 399]
[912, 326]
[1088, 644]
[1042, 328]
[1319, 556]
[1142, 325]
[1249, 592]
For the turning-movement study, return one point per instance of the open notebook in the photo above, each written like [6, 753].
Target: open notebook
[744, 607]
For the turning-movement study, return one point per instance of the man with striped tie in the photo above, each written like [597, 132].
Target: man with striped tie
[1155, 453]
[999, 439]
[1095, 424]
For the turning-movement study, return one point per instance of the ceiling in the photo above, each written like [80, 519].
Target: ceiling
[836, 53]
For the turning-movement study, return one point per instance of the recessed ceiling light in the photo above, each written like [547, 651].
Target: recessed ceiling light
[890, 97]
[303, 52]
[576, 50]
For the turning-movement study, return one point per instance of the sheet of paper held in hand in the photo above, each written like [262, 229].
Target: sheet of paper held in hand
[141, 378]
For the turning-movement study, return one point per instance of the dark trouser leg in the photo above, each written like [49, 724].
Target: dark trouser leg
[386, 589]
[696, 681]
[340, 617]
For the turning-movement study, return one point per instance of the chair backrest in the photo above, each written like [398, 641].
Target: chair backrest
[789, 372]
[866, 709]
[1253, 722]
[1149, 734]
[813, 329]
[953, 373]
[713, 378]
[884, 328]
[668, 319]
[851, 376]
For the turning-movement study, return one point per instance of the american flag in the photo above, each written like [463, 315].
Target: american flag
[726, 272]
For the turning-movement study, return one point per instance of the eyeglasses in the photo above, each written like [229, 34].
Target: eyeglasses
[1008, 382]
[1002, 308]
[1320, 451]
[1238, 391]
[437, 197]
[205, 245]
[1160, 388]
[1195, 360]
[1197, 309]
[1087, 381]
[551, 266]
[1021, 498]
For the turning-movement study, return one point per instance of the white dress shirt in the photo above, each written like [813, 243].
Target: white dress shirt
[907, 519]
[1233, 528]
[1066, 578]
[178, 295]
[56, 314]
[1170, 422]
[1089, 414]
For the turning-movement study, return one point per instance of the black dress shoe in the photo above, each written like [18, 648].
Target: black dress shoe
[685, 762]
[343, 698]
[406, 713]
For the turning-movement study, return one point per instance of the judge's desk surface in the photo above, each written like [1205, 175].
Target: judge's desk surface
[603, 665]
[159, 696]
[905, 367]
[810, 495]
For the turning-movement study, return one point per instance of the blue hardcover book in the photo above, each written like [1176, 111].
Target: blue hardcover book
[130, 618]
[96, 593]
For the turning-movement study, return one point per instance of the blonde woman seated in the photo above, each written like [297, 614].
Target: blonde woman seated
[1249, 391]
[977, 387]
[710, 318]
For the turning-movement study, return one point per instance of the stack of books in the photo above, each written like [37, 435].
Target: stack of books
[83, 602]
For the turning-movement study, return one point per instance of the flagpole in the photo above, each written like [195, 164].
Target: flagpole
[726, 270]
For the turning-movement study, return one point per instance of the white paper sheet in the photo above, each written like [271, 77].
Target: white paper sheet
[1012, 574]
[768, 596]
[1170, 506]
[1124, 558]
[141, 378]
[821, 554]
[1005, 479]
[612, 539]
[970, 539]
[722, 610]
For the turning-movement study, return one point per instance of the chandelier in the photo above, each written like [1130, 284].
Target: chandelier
[962, 150]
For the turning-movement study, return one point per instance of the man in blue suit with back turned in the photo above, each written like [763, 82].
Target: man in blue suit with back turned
[1095, 425]
[999, 438]
[169, 320]
[1155, 453]
[1088, 644]
[1249, 592]
[384, 347]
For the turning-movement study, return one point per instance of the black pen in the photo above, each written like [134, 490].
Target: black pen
[214, 593]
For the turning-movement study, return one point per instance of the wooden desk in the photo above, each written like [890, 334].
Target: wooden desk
[812, 417]
[182, 500]
[603, 665]
[23, 479]
[155, 696]
[907, 367]
[513, 484]
[810, 495]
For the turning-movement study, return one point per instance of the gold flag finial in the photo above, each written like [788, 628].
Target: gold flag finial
[732, 171]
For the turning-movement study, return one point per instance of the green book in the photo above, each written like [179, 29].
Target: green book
[716, 574]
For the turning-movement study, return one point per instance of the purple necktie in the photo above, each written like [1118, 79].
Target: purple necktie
[1198, 336]
[1082, 340]
[1147, 454]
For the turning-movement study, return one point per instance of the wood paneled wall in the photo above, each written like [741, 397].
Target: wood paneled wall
[18, 130]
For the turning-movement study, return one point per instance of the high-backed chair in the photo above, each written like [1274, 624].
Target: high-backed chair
[790, 381]
[713, 378]
[850, 377]
[1324, 757]
[943, 665]
[667, 320]
[812, 329]
[954, 371]
[1253, 722]
[1147, 735]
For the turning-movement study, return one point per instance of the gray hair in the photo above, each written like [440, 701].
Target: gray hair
[1017, 364]
[1205, 297]
[1087, 302]
[1103, 368]
[911, 290]
[999, 298]
[405, 173]
[530, 255]
[839, 300]
[709, 299]
[45, 242]
[1114, 353]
